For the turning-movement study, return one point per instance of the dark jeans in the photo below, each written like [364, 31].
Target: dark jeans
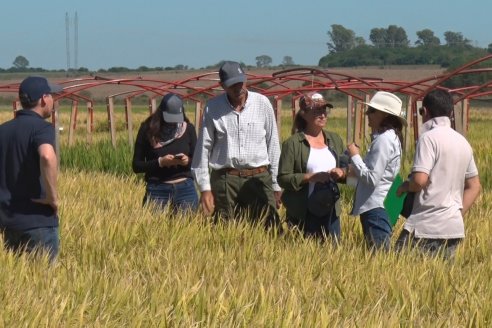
[249, 197]
[376, 228]
[33, 240]
[319, 227]
[433, 247]
[181, 195]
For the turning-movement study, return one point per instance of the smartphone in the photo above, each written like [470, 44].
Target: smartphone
[179, 156]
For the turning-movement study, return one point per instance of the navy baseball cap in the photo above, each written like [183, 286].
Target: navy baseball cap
[34, 87]
[172, 108]
[231, 73]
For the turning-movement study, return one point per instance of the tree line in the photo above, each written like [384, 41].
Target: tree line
[21, 65]
[391, 46]
[388, 46]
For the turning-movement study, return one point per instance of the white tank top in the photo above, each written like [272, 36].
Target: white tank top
[320, 160]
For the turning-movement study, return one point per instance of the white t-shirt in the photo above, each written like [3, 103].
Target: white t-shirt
[319, 160]
[447, 158]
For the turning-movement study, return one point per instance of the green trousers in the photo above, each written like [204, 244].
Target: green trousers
[248, 198]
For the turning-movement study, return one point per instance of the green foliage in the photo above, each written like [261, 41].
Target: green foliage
[456, 40]
[288, 61]
[426, 38]
[20, 62]
[373, 56]
[341, 39]
[98, 157]
[396, 37]
[263, 61]
[390, 46]
[468, 79]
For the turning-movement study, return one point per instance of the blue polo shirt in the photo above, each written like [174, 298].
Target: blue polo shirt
[20, 177]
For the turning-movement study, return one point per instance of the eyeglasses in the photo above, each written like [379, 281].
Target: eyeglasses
[371, 110]
[421, 111]
[320, 111]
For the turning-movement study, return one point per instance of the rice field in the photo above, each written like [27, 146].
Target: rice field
[124, 265]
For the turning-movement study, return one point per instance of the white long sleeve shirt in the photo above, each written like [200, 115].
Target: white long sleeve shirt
[376, 172]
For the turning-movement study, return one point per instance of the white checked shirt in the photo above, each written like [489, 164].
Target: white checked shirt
[229, 139]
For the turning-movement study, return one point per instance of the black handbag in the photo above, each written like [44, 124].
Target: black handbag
[323, 198]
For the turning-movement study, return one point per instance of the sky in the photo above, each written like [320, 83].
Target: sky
[160, 33]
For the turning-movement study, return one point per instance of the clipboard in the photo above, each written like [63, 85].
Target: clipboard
[392, 203]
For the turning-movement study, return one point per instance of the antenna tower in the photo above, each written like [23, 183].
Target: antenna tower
[67, 32]
[76, 41]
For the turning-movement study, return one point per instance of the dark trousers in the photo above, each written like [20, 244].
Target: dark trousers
[239, 197]
[319, 227]
[433, 247]
[40, 240]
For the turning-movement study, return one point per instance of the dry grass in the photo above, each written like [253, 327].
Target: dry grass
[123, 265]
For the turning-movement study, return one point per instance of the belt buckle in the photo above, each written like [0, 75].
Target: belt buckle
[240, 173]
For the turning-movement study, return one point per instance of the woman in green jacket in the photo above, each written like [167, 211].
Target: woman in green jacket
[309, 157]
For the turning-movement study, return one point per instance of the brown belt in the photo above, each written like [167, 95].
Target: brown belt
[246, 172]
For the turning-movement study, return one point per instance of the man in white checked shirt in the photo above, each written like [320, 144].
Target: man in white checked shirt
[236, 157]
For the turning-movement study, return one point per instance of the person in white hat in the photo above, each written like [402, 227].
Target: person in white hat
[379, 167]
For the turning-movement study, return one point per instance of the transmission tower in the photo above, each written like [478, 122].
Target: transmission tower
[67, 32]
[76, 41]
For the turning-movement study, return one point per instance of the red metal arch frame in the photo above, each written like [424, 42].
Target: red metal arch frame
[291, 82]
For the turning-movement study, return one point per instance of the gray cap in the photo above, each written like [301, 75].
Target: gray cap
[231, 73]
[172, 108]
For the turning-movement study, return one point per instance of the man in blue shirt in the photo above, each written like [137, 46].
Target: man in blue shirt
[28, 172]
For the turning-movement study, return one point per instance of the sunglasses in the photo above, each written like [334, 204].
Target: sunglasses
[371, 110]
[320, 111]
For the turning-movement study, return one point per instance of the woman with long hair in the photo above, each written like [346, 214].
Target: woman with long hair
[163, 151]
[310, 158]
[379, 167]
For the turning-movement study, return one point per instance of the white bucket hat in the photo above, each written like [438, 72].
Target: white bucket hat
[388, 103]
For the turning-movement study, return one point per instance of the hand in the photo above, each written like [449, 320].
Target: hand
[166, 160]
[182, 159]
[47, 201]
[353, 149]
[403, 188]
[278, 198]
[207, 202]
[320, 177]
[337, 173]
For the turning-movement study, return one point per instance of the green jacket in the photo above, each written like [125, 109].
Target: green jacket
[292, 167]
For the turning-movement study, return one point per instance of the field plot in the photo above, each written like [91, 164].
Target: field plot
[124, 265]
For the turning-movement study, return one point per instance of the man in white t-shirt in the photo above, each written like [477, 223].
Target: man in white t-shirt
[444, 178]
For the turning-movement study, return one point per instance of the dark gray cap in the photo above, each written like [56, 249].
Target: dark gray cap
[231, 73]
[172, 108]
